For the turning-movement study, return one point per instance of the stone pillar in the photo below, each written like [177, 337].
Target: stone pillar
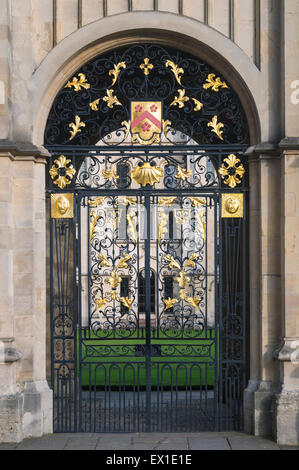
[286, 425]
[26, 400]
[265, 282]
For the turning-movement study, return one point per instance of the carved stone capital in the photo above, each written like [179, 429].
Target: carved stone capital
[288, 350]
[8, 352]
[263, 150]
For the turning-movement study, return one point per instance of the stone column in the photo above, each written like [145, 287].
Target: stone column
[265, 282]
[27, 400]
[287, 401]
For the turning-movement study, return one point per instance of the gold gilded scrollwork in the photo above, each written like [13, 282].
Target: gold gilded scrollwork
[111, 100]
[213, 83]
[180, 100]
[183, 174]
[104, 261]
[94, 104]
[147, 174]
[92, 224]
[169, 303]
[231, 172]
[166, 125]
[198, 105]
[191, 261]
[78, 84]
[76, 127]
[116, 71]
[216, 127]
[114, 281]
[166, 201]
[98, 201]
[110, 174]
[62, 172]
[127, 125]
[175, 70]
[132, 229]
[146, 66]
[162, 226]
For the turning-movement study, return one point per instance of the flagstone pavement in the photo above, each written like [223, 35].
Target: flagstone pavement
[147, 441]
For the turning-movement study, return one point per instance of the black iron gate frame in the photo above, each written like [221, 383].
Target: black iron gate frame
[230, 376]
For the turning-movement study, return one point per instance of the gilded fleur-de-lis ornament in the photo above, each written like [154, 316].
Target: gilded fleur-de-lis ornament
[216, 127]
[76, 127]
[111, 100]
[213, 83]
[116, 71]
[78, 84]
[180, 99]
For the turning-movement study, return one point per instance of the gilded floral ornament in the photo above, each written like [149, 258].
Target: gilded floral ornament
[123, 263]
[132, 228]
[126, 301]
[96, 202]
[127, 126]
[166, 201]
[166, 126]
[180, 100]
[201, 225]
[183, 174]
[63, 171]
[197, 105]
[191, 261]
[114, 279]
[173, 264]
[104, 261]
[162, 226]
[175, 70]
[169, 303]
[182, 279]
[147, 174]
[94, 104]
[92, 224]
[78, 84]
[193, 301]
[146, 66]
[101, 302]
[216, 127]
[110, 174]
[116, 71]
[111, 100]
[213, 83]
[232, 171]
[197, 201]
[76, 127]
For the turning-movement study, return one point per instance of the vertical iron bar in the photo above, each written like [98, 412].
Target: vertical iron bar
[148, 312]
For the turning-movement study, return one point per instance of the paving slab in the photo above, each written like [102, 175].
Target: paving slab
[251, 443]
[211, 443]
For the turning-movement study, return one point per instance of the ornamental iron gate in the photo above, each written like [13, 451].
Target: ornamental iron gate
[147, 247]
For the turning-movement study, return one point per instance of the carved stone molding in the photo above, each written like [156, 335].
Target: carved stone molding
[289, 143]
[8, 352]
[22, 150]
[263, 150]
[288, 350]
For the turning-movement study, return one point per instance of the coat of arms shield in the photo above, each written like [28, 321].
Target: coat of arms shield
[146, 121]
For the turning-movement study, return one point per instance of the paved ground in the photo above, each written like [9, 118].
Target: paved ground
[143, 441]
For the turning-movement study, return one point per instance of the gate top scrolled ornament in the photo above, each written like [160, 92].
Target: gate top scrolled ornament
[142, 92]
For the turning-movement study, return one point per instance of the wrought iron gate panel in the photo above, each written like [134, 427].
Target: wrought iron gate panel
[148, 181]
[148, 289]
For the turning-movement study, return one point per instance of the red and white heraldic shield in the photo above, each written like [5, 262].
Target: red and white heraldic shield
[146, 121]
